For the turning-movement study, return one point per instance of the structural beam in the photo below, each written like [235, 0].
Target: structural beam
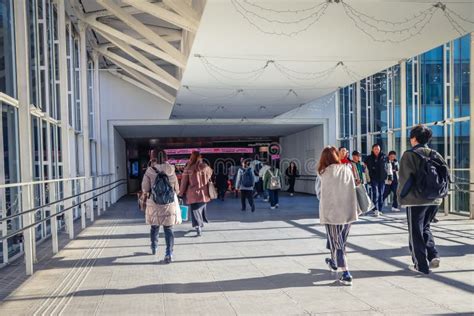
[160, 74]
[138, 84]
[114, 57]
[159, 91]
[98, 26]
[85, 121]
[165, 15]
[128, 9]
[144, 30]
[471, 137]
[24, 130]
[183, 9]
[63, 75]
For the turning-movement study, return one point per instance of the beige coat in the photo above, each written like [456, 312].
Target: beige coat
[338, 200]
[163, 215]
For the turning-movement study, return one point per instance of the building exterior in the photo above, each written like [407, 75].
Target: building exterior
[66, 97]
[433, 88]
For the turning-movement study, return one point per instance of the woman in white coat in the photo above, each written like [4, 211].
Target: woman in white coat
[338, 208]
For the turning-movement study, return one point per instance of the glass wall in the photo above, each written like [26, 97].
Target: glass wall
[9, 168]
[46, 86]
[437, 94]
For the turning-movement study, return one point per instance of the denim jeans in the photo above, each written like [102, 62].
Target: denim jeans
[377, 193]
[169, 238]
[273, 197]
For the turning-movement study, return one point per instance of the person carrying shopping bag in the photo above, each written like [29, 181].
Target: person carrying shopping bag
[160, 185]
[195, 188]
[338, 208]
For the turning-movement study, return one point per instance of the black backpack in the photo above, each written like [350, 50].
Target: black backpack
[161, 192]
[432, 177]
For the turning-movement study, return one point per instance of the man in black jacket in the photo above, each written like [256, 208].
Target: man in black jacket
[376, 164]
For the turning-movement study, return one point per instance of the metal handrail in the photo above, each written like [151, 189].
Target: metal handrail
[19, 184]
[56, 202]
[58, 213]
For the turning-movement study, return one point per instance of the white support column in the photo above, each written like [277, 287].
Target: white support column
[336, 103]
[88, 206]
[24, 119]
[358, 117]
[65, 146]
[98, 132]
[403, 106]
[471, 137]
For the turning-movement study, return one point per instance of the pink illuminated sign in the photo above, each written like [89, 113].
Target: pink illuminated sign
[220, 150]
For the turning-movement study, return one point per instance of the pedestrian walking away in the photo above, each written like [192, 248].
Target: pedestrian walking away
[272, 183]
[423, 183]
[246, 183]
[161, 186]
[291, 174]
[195, 189]
[338, 208]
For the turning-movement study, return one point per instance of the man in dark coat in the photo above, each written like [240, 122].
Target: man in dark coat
[376, 164]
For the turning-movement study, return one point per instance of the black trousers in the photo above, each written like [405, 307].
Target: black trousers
[421, 241]
[291, 182]
[247, 195]
[391, 188]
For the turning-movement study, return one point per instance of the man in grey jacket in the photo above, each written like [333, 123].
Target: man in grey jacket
[420, 211]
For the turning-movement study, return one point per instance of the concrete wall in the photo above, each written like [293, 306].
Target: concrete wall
[120, 162]
[305, 148]
[121, 101]
[324, 107]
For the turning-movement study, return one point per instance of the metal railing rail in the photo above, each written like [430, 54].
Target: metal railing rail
[37, 208]
[21, 184]
[124, 181]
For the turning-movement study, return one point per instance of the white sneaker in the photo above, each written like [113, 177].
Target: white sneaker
[434, 264]
[277, 205]
[272, 207]
[394, 209]
[376, 214]
[291, 194]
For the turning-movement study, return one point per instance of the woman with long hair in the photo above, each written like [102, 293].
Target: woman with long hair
[291, 174]
[338, 208]
[194, 187]
[157, 215]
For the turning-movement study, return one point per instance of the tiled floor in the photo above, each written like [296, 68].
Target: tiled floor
[268, 262]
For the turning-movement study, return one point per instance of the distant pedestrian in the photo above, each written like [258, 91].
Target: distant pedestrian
[245, 183]
[392, 180]
[423, 183]
[291, 174]
[156, 213]
[361, 173]
[272, 183]
[377, 164]
[344, 155]
[221, 182]
[261, 174]
[338, 208]
[195, 188]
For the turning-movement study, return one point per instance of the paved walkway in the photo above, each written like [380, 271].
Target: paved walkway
[268, 262]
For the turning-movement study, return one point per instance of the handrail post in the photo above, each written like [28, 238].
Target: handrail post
[83, 205]
[54, 221]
